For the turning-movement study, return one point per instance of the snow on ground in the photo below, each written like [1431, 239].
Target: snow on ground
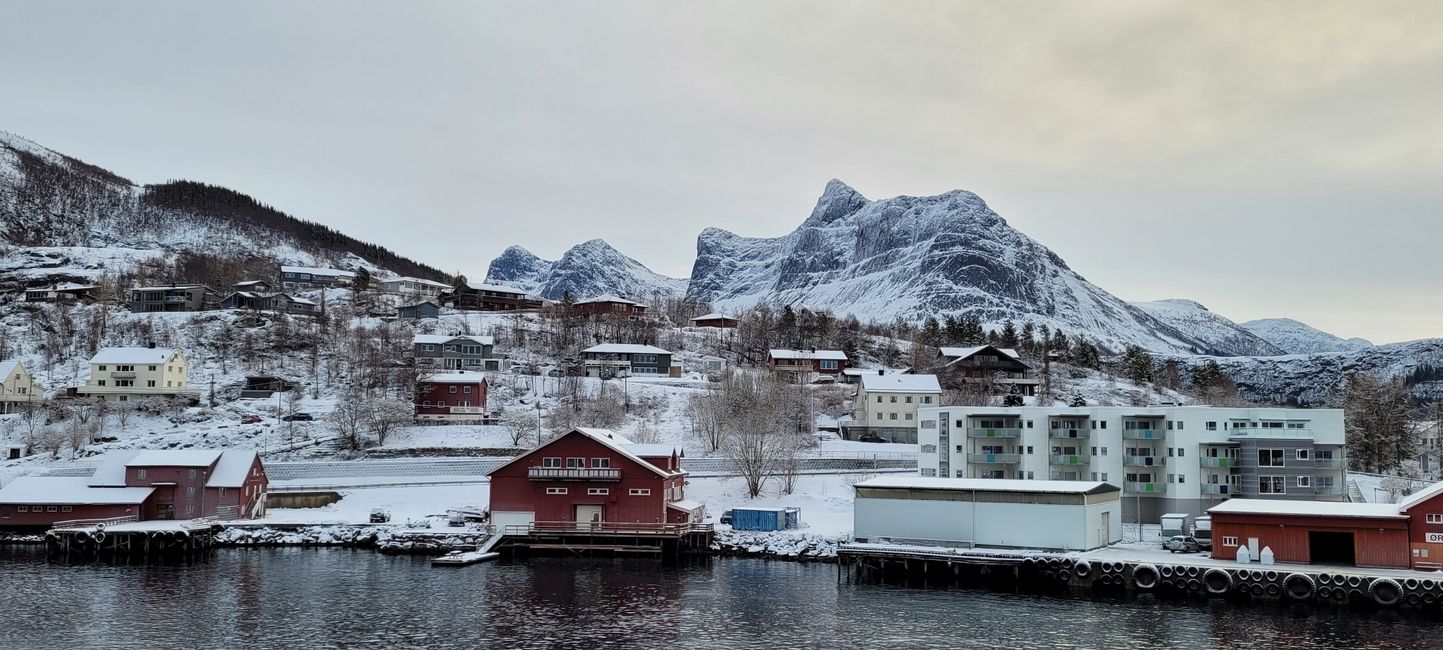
[453, 436]
[407, 504]
[853, 448]
[825, 500]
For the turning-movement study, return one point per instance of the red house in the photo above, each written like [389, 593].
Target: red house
[825, 362]
[451, 396]
[592, 476]
[1409, 534]
[156, 484]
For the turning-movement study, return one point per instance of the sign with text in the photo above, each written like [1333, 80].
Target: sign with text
[1434, 538]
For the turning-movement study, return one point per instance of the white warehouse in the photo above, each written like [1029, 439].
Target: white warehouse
[1057, 515]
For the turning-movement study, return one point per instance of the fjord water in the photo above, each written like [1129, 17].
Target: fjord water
[307, 598]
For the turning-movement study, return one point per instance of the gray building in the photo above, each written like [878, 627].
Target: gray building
[425, 309]
[622, 359]
[176, 297]
[308, 277]
[457, 352]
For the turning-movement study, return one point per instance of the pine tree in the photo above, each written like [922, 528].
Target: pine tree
[1077, 401]
[952, 331]
[972, 333]
[1008, 338]
[362, 281]
[1028, 339]
[931, 332]
[1085, 354]
[1137, 365]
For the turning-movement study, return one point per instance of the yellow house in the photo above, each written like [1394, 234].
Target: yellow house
[128, 374]
[16, 387]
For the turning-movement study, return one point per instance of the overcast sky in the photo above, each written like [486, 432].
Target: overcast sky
[1263, 158]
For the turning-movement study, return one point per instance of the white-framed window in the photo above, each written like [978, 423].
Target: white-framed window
[894, 416]
[1230, 541]
[1270, 458]
[1305, 481]
[441, 403]
[190, 473]
[1302, 454]
[1181, 451]
[1212, 426]
[601, 463]
[879, 416]
[552, 461]
[190, 508]
[1272, 485]
[22, 508]
[190, 490]
[52, 509]
[556, 490]
[576, 462]
[926, 399]
[639, 492]
[908, 399]
[929, 449]
[66, 508]
[467, 390]
[879, 399]
[222, 491]
[140, 473]
[598, 491]
[425, 402]
[1434, 518]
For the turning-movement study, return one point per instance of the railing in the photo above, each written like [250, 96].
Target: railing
[1141, 461]
[1220, 489]
[1143, 434]
[92, 523]
[605, 527]
[1328, 463]
[995, 459]
[1069, 433]
[468, 410]
[1068, 459]
[1328, 490]
[1144, 488]
[574, 473]
[1217, 461]
[1261, 432]
[123, 374]
[994, 433]
[175, 299]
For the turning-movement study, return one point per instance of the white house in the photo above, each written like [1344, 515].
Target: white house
[1061, 515]
[1166, 458]
[16, 387]
[416, 288]
[886, 406]
[128, 374]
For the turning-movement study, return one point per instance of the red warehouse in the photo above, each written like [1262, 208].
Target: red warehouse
[1408, 534]
[157, 484]
[451, 396]
[592, 476]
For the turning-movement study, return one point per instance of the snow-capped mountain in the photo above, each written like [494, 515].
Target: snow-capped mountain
[588, 270]
[1294, 337]
[1311, 378]
[67, 220]
[918, 256]
[1216, 331]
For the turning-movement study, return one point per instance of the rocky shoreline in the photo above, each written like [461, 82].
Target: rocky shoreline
[381, 538]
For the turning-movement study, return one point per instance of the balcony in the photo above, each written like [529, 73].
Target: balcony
[123, 374]
[1218, 461]
[1141, 461]
[1329, 490]
[573, 474]
[1069, 434]
[994, 459]
[468, 410]
[1068, 459]
[1142, 434]
[1218, 489]
[175, 300]
[994, 433]
[1143, 488]
[1250, 432]
[1328, 463]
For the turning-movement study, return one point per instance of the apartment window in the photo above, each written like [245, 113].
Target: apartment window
[575, 463]
[140, 474]
[639, 492]
[102, 368]
[1325, 454]
[1104, 476]
[1305, 481]
[1181, 452]
[152, 368]
[1029, 450]
[893, 416]
[1181, 478]
[1169, 425]
[879, 399]
[1270, 458]
[598, 491]
[907, 399]
[1094, 424]
[556, 490]
[551, 462]
[927, 399]
[601, 463]
[1029, 476]
[1271, 485]
[828, 365]
[453, 389]
[441, 403]
[100, 382]
[426, 402]
[150, 383]
[1435, 519]
[1029, 424]
[1212, 426]
[908, 416]
[465, 403]
[1230, 541]
[879, 416]
[1094, 476]
[1172, 478]
[1170, 452]
[1302, 454]
[1296, 425]
[1094, 451]
[1103, 425]
[928, 424]
[1104, 451]
[927, 471]
[1180, 424]
[929, 449]
[894, 399]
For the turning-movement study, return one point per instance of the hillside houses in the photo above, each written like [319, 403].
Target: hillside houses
[801, 364]
[171, 298]
[1001, 368]
[17, 389]
[65, 292]
[886, 406]
[413, 288]
[451, 396]
[441, 352]
[489, 297]
[280, 303]
[626, 359]
[129, 374]
[608, 306]
[308, 277]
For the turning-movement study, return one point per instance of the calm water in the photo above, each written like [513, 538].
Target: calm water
[290, 598]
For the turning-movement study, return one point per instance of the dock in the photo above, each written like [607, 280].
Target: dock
[601, 539]
[1116, 571]
[127, 536]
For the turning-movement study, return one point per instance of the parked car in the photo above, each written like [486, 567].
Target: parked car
[251, 419]
[726, 518]
[1181, 544]
[871, 438]
[380, 515]
[299, 417]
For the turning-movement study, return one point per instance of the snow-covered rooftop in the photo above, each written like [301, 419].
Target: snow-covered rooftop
[231, 470]
[7, 367]
[988, 485]
[1307, 508]
[963, 353]
[714, 316]
[901, 384]
[174, 458]
[494, 288]
[443, 338]
[614, 299]
[298, 299]
[652, 450]
[247, 283]
[111, 471]
[455, 377]
[625, 348]
[685, 505]
[614, 441]
[424, 281]
[168, 287]
[132, 355]
[826, 355]
[1413, 499]
[313, 270]
[68, 490]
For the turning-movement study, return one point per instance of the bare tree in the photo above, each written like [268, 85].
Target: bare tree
[520, 425]
[349, 416]
[387, 415]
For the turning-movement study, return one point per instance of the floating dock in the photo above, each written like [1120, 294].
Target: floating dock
[1112, 571]
[125, 536]
[463, 558]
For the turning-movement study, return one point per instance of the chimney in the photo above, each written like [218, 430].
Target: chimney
[150, 344]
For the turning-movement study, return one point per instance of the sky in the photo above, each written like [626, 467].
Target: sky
[1266, 159]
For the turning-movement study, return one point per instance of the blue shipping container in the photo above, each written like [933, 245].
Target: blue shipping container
[763, 519]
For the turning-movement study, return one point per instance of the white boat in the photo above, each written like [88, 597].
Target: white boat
[463, 558]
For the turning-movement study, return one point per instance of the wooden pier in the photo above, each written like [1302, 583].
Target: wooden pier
[602, 538]
[127, 537]
[1117, 574]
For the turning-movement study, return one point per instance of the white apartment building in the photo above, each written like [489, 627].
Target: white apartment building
[129, 374]
[1165, 458]
[886, 406]
[17, 389]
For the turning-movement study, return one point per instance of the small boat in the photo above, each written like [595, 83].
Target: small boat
[463, 558]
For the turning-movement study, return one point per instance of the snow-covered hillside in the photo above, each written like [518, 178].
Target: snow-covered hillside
[1311, 378]
[588, 270]
[1293, 337]
[1217, 332]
